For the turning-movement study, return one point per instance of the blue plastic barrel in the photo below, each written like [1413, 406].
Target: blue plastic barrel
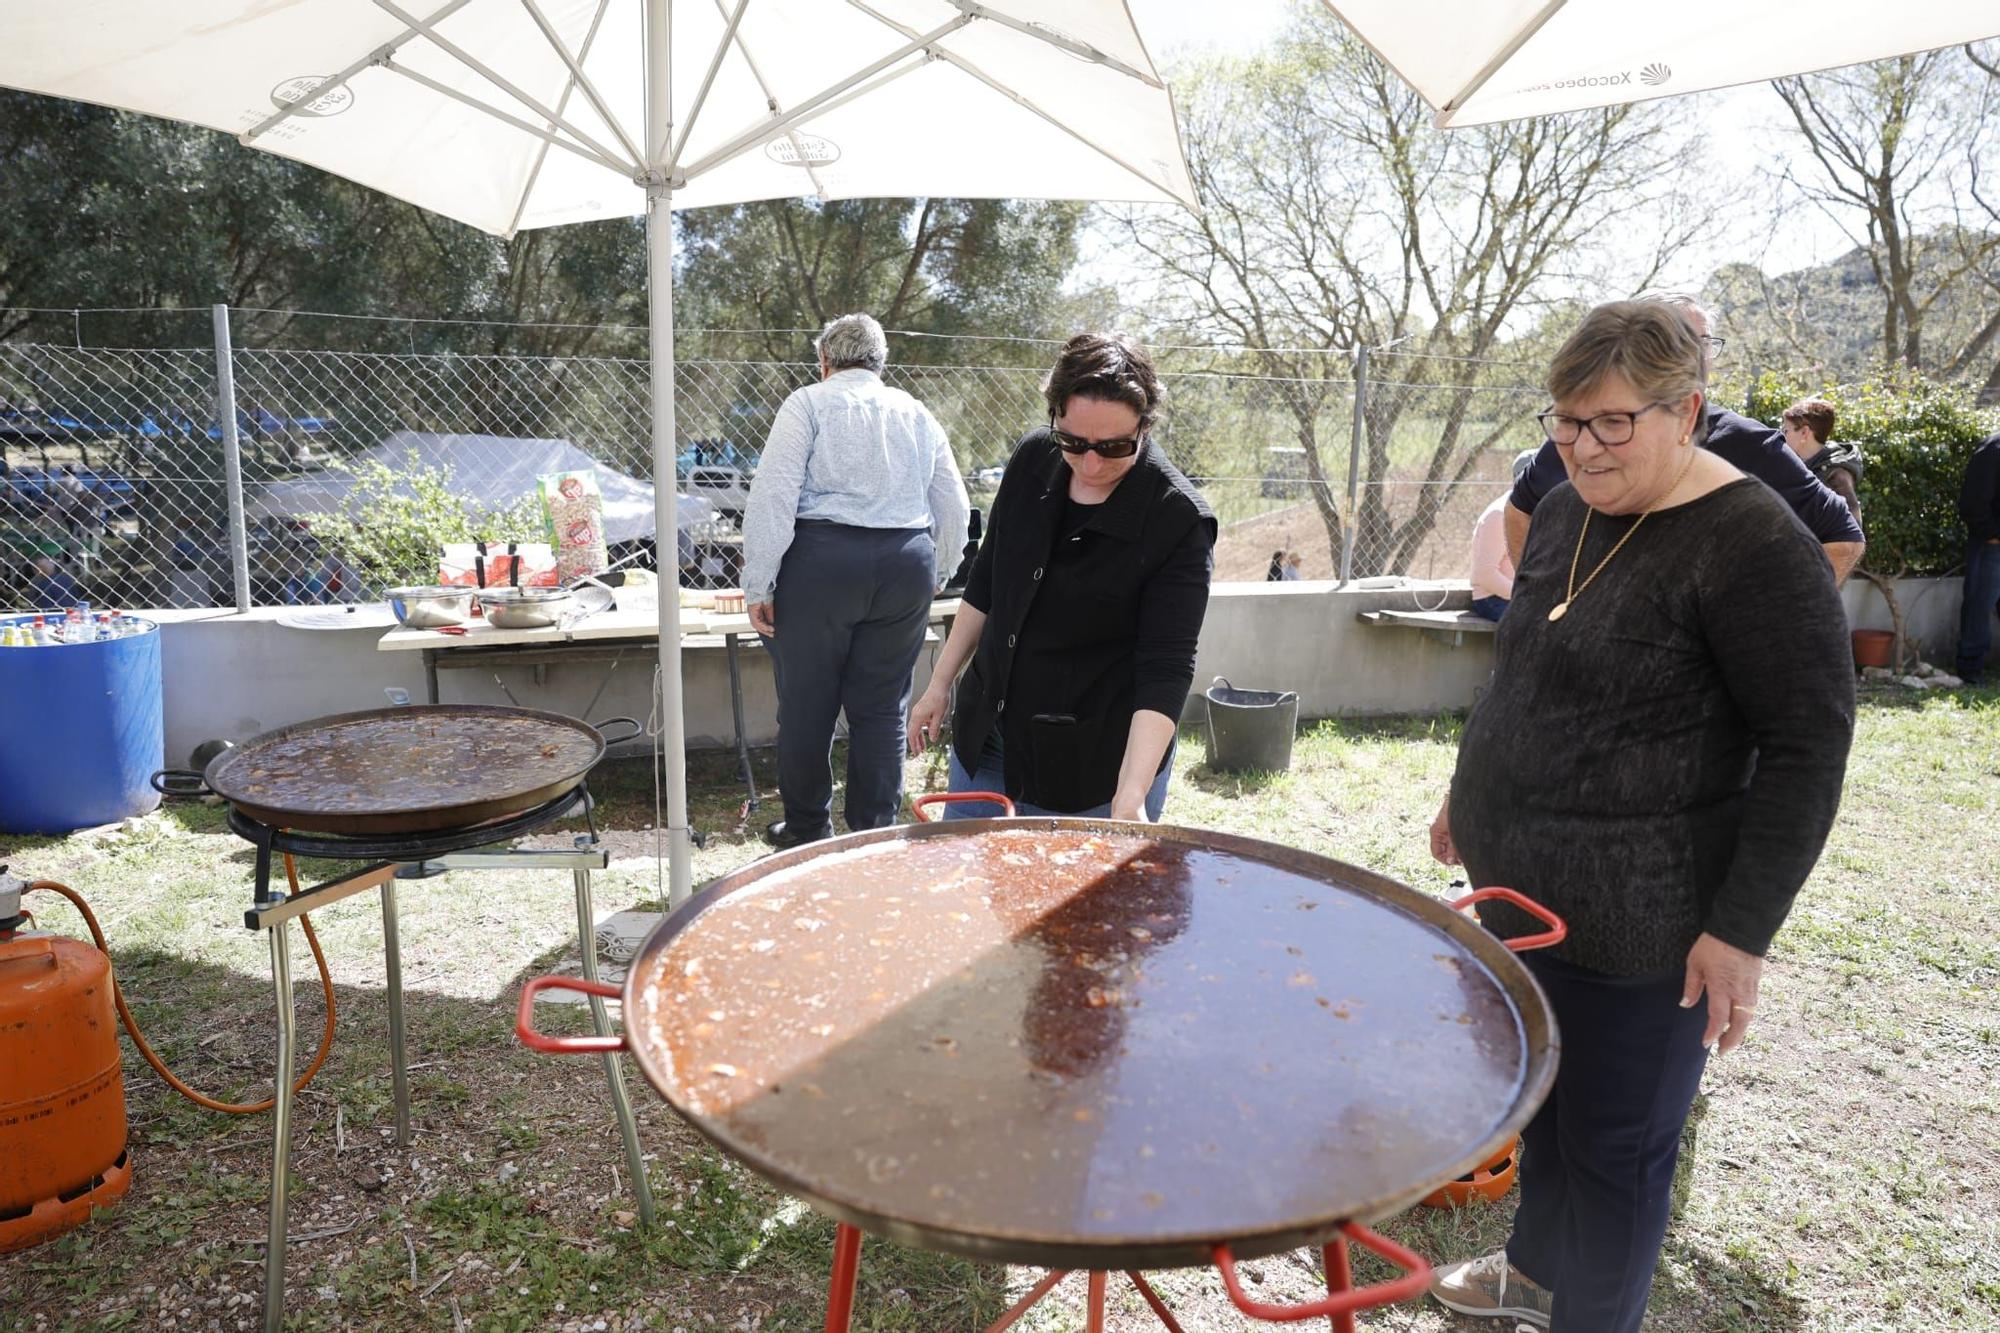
[81, 731]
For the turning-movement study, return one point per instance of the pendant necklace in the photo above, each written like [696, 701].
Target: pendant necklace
[1560, 609]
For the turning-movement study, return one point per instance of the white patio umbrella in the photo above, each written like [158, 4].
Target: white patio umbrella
[1478, 61]
[508, 114]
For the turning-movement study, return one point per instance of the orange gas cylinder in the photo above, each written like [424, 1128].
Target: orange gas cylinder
[62, 1101]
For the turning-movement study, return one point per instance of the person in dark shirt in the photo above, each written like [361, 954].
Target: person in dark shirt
[1979, 506]
[1751, 446]
[1085, 604]
[1658, 759]
[1807, 426]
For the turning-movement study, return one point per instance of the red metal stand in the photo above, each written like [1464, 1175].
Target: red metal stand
[1339, 1306]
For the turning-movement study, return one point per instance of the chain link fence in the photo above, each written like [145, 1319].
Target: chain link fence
[117, 464]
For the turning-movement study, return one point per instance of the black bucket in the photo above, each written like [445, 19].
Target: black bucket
[1250, 729]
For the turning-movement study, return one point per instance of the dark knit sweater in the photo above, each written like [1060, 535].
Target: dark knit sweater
[1667, 758]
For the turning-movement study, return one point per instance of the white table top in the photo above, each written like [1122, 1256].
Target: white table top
[605, 625]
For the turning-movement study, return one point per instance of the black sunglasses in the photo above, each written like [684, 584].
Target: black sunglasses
[1123, 447]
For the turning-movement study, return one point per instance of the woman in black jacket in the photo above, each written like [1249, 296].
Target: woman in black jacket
[1084, 606]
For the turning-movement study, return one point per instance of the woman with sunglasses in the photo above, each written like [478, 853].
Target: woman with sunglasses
[1080, 619]
[1658, 757]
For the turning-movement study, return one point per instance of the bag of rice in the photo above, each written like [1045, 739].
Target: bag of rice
[574, 509]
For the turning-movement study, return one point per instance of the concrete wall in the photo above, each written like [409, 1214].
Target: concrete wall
[233, 676]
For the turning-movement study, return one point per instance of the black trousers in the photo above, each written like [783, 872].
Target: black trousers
[852, 604]
[1597, 1162]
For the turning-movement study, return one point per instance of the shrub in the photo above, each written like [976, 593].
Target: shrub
[1916, 436]
[395, 520]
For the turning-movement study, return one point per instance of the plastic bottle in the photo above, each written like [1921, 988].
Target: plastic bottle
[72, 626]
[87, 623]
[41, 635]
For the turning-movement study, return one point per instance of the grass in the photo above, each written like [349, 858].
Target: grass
[1839, 1173]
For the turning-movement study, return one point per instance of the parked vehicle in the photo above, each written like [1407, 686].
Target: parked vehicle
[727, 488]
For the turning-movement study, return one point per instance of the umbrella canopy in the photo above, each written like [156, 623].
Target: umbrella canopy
[493, 470]
[1513, 59]
[507, 114]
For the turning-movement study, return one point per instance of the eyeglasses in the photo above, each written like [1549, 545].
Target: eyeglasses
[1715, 344]
[1123, 447]
[1612, 428]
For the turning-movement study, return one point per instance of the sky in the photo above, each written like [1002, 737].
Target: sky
[1746, 139]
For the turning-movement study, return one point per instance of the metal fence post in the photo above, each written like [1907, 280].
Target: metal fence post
[232, 458]
[1354, 463]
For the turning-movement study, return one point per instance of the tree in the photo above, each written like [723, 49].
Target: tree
[1338, 217]
[1894, 144]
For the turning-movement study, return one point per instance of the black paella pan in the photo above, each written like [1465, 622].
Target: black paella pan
[401, 770]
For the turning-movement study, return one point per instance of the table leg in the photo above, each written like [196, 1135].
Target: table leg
[431, 674]
[1027, 1302]
[1339, 1278]
[1093, 1309]
[840, 1288]
[614, 1073]
[281, 1134]
[1160, 1309]
[736, 712]
[399, 1059]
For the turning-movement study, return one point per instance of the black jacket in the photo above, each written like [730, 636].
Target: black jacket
[1754, 449]
[1979, 493]
[1083, 626]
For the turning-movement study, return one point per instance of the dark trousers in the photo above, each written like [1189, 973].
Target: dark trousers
[851, 608]
[1489, 608]
[1597, 1162]
[1982, 589]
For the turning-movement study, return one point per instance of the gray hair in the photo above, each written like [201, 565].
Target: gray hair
[853, 341]
[1647, 342]
[1685, 302]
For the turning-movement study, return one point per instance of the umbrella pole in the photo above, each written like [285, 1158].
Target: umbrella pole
[666, 510]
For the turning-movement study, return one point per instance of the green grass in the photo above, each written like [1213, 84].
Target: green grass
[1840, 1172]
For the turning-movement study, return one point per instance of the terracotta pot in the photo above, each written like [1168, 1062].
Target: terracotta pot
[1873, 647]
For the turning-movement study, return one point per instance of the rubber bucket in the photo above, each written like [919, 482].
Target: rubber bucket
[1250, 729]
[82, 733]
[1872, 647]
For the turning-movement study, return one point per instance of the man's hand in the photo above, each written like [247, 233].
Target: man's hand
[763, 618]
[1441, 844]
[926, 718]
[1730, 977]
[1843, 556]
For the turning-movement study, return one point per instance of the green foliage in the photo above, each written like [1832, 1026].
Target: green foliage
[397, 518]
[1916, 436]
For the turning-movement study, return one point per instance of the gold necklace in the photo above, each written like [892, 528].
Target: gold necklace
[1560, 609]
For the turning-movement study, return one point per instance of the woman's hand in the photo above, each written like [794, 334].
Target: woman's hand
[1730, 977]
[926, 720]
[1442, 846]
[1132, 807]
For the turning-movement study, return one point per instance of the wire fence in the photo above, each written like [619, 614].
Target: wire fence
[117, 460]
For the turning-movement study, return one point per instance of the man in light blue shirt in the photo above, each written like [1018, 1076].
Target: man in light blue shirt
[855, 519]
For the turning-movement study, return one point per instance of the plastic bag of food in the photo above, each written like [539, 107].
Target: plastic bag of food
[574, 510]
[498, 565]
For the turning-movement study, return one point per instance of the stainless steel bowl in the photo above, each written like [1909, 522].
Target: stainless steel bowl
[430, 606]
[526, 608]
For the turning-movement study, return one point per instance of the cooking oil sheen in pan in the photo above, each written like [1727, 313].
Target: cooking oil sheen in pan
[1078, 1035]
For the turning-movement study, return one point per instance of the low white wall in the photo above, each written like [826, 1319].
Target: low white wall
[233, 676]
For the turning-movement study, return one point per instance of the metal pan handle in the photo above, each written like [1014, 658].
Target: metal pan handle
[180, 782]
[638, 729]
[524, 1018]
[1339, 1304]
[923, 803]
[1558, 929]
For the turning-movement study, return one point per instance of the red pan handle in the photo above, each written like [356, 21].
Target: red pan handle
[1415, 1280]
[524, 1018]
[922, 803]
[1558, 929]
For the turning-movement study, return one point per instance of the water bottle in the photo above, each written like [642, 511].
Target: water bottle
[72, 626]
[42, 636]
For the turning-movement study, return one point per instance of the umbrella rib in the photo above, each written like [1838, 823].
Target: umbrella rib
[1081, 50]
[493, 77]
[770, 100]
[707, 81]
[377, 56]
[542, 154]
[1500, 57]
[817, 102]
[1020, 99]
[546, 136]
[578, 79]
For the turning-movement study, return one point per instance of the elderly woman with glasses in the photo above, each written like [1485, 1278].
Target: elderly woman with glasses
[1084, 606]
[1658, 757]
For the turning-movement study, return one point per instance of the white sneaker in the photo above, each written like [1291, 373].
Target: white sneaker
[1489, 1286]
